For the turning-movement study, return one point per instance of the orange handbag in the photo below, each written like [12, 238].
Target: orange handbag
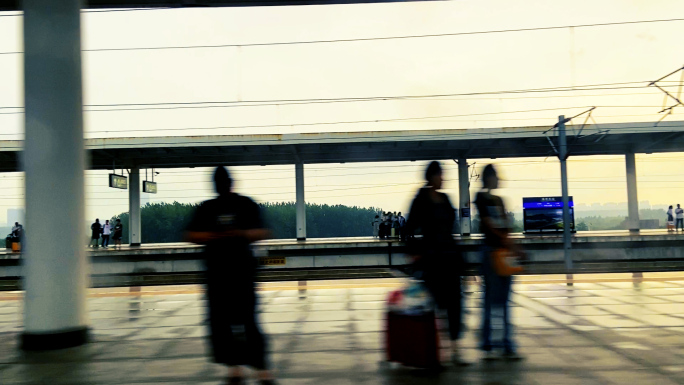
[505, 262]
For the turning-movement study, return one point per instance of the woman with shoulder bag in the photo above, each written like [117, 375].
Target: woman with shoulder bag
[499, 262]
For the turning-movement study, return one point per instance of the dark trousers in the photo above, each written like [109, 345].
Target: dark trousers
[680, 222]
[445, 288]
[235, 336]
[497, 292]
[105, 240]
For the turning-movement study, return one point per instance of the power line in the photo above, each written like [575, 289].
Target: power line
[281, 102]
[275, 104]
[20, 13]
[382, 185]
[399, 120]
[285, 43]
[415, 165]
[388, 98]
[333, 122]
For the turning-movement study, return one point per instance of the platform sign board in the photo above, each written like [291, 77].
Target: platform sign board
[118, 181]
[545, 214]
[272, 261]
[465, 221]
[149, 187]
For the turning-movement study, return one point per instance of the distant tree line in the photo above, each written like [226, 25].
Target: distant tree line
[166, 222]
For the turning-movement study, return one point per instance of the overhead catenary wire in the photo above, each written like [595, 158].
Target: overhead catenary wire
[303, 124]
[110, 10]
[281, 102]
[431, 98]
[378, 38]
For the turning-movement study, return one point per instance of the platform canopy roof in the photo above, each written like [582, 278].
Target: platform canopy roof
[369, 146]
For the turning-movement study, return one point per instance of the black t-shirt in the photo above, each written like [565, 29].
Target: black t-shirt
[228, 256]
[434, 221]
[118, 230]
[492, 207]
[96, 230]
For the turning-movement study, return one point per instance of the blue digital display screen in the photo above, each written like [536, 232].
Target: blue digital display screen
[545, 202]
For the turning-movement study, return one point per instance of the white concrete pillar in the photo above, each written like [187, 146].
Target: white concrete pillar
[300, 203]
[562, 156]
[55, 268]
[632, 199]
[464, 196]
[134, 206]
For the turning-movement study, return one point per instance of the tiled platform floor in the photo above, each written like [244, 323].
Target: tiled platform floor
[601, 332]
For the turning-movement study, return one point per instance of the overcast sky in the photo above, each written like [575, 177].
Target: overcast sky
[630, 55]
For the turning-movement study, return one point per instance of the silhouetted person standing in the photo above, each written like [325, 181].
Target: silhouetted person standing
[402, 227]
[118, 233]
[376, 226]
[96, 230]
[679, 212]
[227, 226]
[437, 255]
[16, 230]
[106, 232]
[494, 224]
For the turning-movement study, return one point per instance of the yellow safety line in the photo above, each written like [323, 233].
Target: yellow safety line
[316, 285]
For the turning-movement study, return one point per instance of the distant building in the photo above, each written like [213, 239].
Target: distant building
[15, 215]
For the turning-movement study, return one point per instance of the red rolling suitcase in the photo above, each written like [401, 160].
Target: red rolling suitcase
[412, 340]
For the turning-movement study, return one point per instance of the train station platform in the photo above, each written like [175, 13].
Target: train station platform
[365, 257]
[605, 329]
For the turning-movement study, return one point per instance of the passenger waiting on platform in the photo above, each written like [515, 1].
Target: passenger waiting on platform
[680, 218]
[16, 230]
[118, 233]
[96, 229]
[106, 232]
[494, 224]
[670, 220]
[437, 256]
[227, 226]
[394, 224]
[384, 227]
[15, 237]
[376, 226]
[402, 224]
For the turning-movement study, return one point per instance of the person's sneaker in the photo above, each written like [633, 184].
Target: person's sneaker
[489, 356]
[512, 356]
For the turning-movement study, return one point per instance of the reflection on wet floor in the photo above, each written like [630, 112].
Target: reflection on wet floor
[601, 330]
